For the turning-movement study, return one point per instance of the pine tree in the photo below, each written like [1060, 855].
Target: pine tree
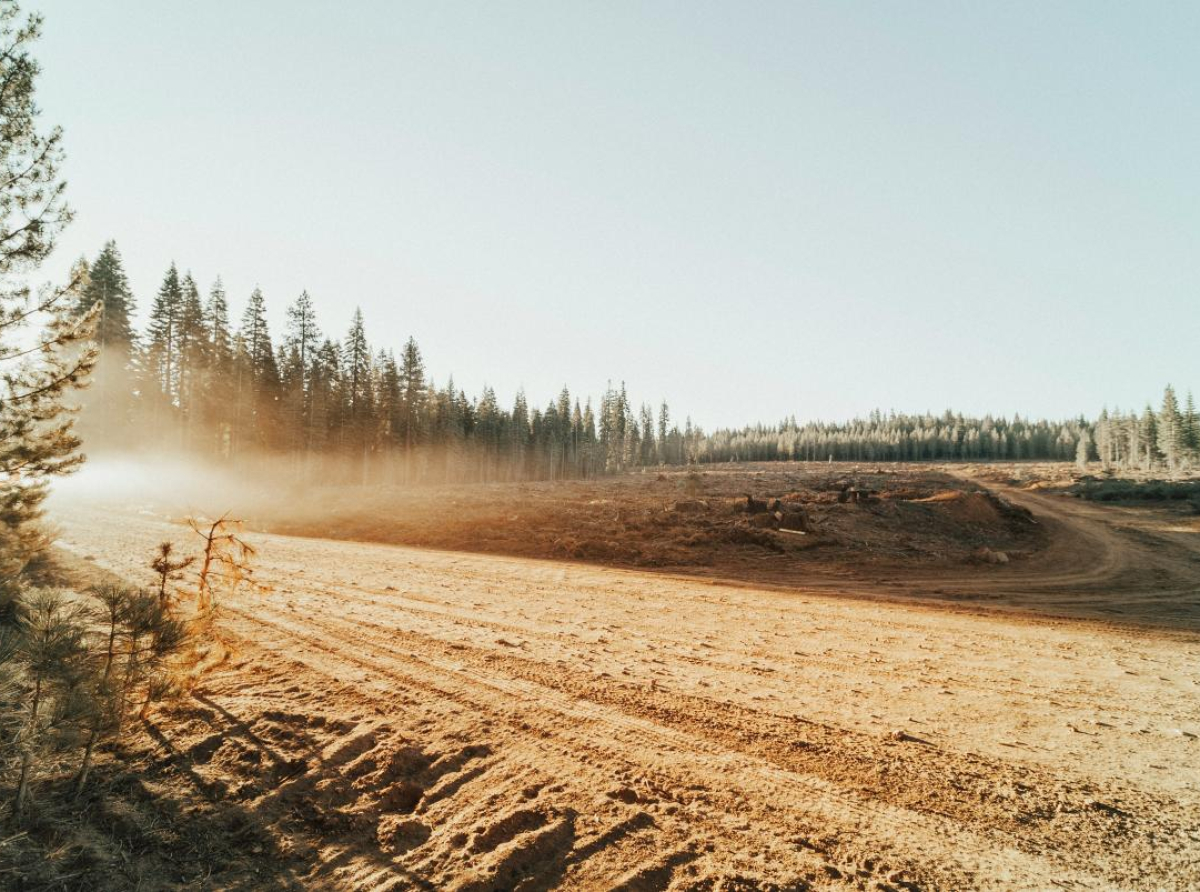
[38, 373]
[320, 401]
[413, 393]
[302, 331]
[649, 450]
[590, 439]
[519, 436]
[256, 338]
[110, 403]
[356, 365]
[1135, 438]
[664, 420]
[162, 342]
[1191, 427]
[293, 401]
[256, 375]
[216, 323]
[1104, 439]
[108, 286]
[194, 355]
[38, 632]
[51, 656]
[218, 398]
[389, 397]
[578, 442]
[1170, 430]
[358, 398]
[1083, 449]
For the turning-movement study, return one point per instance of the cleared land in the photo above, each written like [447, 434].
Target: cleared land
[893, 531]
[411, 718]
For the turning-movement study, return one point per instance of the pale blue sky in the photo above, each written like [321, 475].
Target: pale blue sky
[753, 209]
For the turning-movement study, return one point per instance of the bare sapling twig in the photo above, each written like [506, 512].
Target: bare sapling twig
[225, 561]
[224, 568]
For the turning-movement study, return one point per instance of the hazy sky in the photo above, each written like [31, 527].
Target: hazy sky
[751, 209]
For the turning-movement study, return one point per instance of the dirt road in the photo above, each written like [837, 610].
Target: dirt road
[1099, 562]
[399, 718]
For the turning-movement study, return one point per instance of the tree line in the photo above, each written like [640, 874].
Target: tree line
[1168, 438]
[339, 409]
[192, 380]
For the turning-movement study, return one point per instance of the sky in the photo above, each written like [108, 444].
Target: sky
[752, 210]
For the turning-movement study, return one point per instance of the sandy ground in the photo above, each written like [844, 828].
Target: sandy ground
[402, 718]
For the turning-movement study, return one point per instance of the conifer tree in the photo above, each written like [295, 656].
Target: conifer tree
[194, 354]
[162, 340]
[324, 388]
[1083, 449]
[1135, 441]
[411, 414]
[649, 450]
[257, 374]
[388, 396]
[36, 374]
[356, 366]
[519, 434]
[219, 333]
[1191, 427]
[590, 439]
[358, 391]
[1104, 439]
[302, 338]
[302, 333]
[1148, 428]
[1170, 430]
[108, 286]
[50, 654]
[110, 402]
[292, 375]
[256, 338]
[664, 420]
[218, 398]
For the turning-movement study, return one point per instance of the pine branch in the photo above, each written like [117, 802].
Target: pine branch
[45, 306]
[65, 338]
[81, 368]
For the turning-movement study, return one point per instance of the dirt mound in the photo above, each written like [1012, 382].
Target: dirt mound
[968, 507]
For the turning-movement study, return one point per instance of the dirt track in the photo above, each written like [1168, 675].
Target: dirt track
[418, 719]
[1100, 562]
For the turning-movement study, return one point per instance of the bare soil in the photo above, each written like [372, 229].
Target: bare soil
[725, 518]
[849, 717]
[1008, 536]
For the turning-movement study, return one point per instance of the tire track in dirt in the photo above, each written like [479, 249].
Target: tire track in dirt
[615, 751]
[936, 782]
[799, 661]
[1090, 551]
[538, 751]
[636, 731]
